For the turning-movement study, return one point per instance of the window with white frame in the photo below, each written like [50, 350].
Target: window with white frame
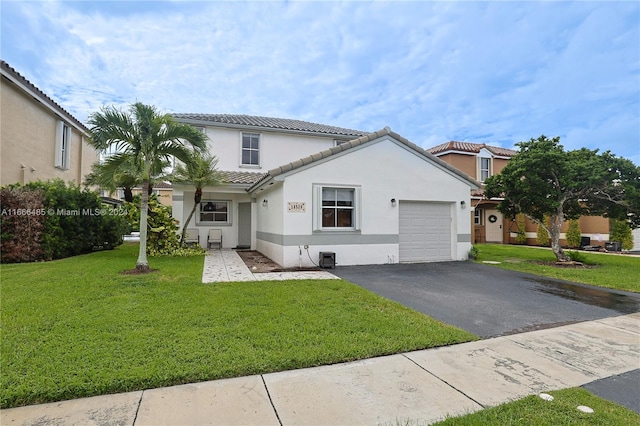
[250, 149]
[485, 168]
[477, 216]
[214, 212]
[336, 208]
[63, 145]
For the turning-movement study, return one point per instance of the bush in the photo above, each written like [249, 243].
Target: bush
[162, 228]
[21, 234]
[577, 256]
[621, 232]
[542, 238]
[521, 234]
[573, 235]
[66, 221]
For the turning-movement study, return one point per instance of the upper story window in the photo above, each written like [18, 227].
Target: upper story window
[63, 146]
[250, 149]
[485, 168]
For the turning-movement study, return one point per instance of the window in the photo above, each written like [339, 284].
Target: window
[477, 216]
[250, 149]
[485, 167]
[338, 207]
[217, 212]
[63, 145]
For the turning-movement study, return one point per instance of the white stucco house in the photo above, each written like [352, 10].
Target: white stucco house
[296, 189]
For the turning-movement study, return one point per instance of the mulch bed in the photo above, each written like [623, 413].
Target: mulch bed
[259, 263]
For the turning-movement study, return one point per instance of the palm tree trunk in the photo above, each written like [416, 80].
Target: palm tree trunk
[186, 223]
[142, 265]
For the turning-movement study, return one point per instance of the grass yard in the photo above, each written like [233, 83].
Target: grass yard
[606, 270]
[534, 411]
[77, 327]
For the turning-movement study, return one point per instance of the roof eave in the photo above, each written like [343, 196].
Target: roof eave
[208, 123]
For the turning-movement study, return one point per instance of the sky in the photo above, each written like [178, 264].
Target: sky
[487, 72]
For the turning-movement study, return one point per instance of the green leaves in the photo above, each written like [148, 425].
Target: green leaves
[544, 179]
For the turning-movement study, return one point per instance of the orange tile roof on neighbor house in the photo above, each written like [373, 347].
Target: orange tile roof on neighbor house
[471, 148]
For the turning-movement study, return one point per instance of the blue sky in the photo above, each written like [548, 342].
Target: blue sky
[494, 72]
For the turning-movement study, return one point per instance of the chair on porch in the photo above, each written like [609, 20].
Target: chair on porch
[214, 237]
[192, 237]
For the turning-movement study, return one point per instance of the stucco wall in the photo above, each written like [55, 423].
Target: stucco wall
[276, 149]
[27, 137]
[382, 170]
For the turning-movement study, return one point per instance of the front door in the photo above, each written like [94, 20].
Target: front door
[244, 225]
[493, 226]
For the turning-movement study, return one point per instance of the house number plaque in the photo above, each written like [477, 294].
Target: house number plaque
[296, 206]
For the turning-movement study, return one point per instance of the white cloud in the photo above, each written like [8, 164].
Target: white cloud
[434, 71]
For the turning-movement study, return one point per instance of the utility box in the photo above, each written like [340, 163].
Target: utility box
[613, 246]
[327, 259]
[585, 241]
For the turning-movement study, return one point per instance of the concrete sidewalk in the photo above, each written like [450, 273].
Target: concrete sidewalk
[422, 386]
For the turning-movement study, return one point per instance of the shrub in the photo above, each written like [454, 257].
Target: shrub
[162, 228]
[21, 225]
[521, 234]
[573, 235]
[71, 221]
[542, 238]
[621, 232]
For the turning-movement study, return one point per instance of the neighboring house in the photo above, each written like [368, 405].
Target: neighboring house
[164, 191]
[480, 161]
[296, 189]
[39, 140]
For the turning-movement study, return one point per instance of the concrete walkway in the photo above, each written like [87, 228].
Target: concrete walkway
[226, 265]
[422, 386]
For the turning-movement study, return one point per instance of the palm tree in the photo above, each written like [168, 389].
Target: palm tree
[116, 173]
[143, 137]
[199, 172]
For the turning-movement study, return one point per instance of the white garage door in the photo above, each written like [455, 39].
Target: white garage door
[425, 231]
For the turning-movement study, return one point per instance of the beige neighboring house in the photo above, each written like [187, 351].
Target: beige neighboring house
[480, 161]
[164, 191]
[39, 140]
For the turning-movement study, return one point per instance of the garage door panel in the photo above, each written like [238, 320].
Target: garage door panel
[425, 231]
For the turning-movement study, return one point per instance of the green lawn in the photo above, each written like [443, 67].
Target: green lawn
[606, 270]
[534, 411]
[77, 327]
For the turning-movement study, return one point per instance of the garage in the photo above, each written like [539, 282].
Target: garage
[425, 231]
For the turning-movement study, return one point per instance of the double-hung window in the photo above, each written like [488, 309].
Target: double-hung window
[250, 149]
[485, 168]
[214, 212]
[62, 146]
[336, 208]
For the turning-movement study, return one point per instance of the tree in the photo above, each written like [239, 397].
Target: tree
[200, 172]
[573, 234]
[621, 233]
[143, 137]
[116, 173]
[544, 179]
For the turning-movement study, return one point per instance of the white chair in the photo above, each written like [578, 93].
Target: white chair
[215, 237]
[192, 237]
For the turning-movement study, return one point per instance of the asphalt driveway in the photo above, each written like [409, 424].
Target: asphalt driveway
[486, 300]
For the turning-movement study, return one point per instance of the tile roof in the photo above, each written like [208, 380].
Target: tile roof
[471, 147]
[357, 142]
[269, 123]
[11, 74]
[231, 177]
